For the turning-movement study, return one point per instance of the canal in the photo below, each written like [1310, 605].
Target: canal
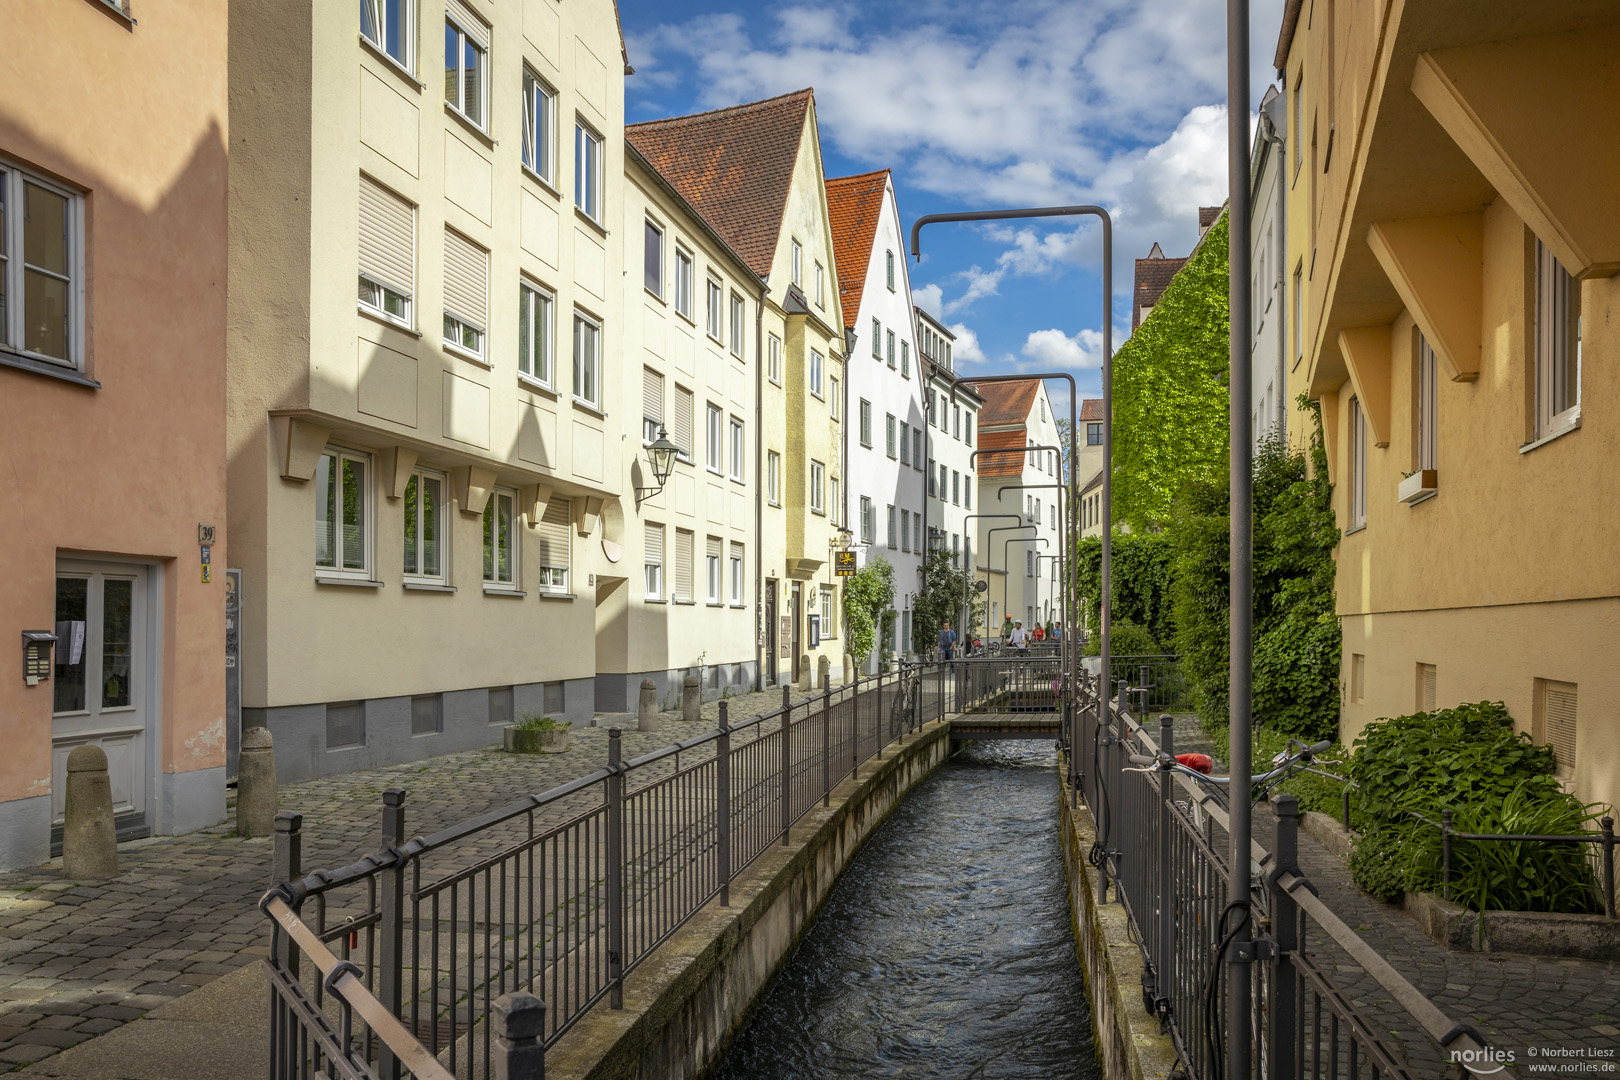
[944, 950]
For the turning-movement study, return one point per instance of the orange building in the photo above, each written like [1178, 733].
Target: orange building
[112, 419]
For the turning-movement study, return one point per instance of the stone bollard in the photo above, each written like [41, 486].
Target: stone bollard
[824, 669]
[691, 698]
[89, 843]
[256, 784]
[647, 707]
[804, 673]
[520, 1024]
[850, 674]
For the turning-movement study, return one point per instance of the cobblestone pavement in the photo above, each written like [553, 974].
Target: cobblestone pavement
[79, 960]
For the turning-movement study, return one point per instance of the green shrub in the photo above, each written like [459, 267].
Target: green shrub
[1142, 571]
[1124, 639]
[537, 722]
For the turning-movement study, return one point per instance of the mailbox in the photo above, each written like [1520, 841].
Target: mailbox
[37, 646]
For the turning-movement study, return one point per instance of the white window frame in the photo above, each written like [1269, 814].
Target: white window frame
[13, 266]
[773, 358]
[1558, 299]
[905, 359]
[818, 473]
[336, 569]
[713, 318]
[832, 397]
[889, 434]
[459, 105]
[684, 282]
[537, 364]
[1427, 436]
[711, 577]
[796, 263]
[589, 185]
[864, 510]
[413, 494]
[1358, 466]
[890, 263]
[714, 426]
[889, 351]
[590, 365]
[652, 573]
[866, 423]
[773, 477]
[735, 554]
[458, 331]
[739, 321]
[513, 545]
[877, 339]
[905, 530]
[828, 626]
[815, 373]
[739, 450]
[651, 425]
[905, 443]
[891, 523]
[539, 127]
[649, 230]
[379, 15]
[374, 302]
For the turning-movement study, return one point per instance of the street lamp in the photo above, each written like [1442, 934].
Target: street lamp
[661, 456]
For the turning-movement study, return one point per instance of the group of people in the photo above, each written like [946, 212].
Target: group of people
[1013, 635]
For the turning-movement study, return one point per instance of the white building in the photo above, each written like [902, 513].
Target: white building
[883, 388]
[1268, 259]
[1021, 480]
[953, 421]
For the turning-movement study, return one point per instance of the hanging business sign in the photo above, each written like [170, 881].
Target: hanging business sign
[844, 563]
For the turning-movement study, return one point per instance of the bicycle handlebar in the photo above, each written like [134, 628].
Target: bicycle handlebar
[1143, 759]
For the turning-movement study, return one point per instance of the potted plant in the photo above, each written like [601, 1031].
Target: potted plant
[537, 734]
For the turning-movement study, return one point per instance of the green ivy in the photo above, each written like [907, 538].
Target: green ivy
[1143, 567]
[868, 598]
[939, 600]
[1125, 638]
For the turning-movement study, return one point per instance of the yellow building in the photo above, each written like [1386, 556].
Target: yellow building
[1457, 257]
[754, 172]
[426, 320]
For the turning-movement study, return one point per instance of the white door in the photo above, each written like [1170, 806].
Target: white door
[102, 680]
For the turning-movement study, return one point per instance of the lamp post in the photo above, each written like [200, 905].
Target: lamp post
[661, 456]
[967, 583]
[1005, 544]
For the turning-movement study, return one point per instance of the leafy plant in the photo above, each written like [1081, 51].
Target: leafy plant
[1124, 639]
[537, 722]
[1142, 570]
[867, 595]
[941, 600]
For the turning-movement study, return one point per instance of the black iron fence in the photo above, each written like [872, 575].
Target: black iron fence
[1008, 684]
[1162, 849]
[432, 956]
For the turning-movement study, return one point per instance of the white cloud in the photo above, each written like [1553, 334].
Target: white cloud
[931, 298]
[1055, 349]
[966, 349]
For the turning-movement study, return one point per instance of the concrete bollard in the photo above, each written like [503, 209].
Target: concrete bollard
[805, 675]
[691, 698]
[647, 707]
[256, 784]
[89, 842]
[824, 669]
[850, 674]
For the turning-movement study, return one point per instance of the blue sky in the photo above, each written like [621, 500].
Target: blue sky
[978, 105]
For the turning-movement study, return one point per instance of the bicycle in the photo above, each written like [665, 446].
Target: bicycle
[1286, 764]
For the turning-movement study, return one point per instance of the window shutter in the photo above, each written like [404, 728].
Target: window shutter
[387, 237]
[463, 17]
[714, 547]
[683, 564]
[681, 423]
[652, 395]
[655, 545]
[553, 530]
[466, 279]
[1425, 689]
[1559, 708]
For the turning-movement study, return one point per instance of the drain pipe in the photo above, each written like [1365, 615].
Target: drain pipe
[759, 488]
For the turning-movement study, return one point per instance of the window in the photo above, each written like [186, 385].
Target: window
[652, 259]
[832, 397]
[866, 520]
[1553, 723]
[1358, 465]
[956, 488]
[917, 540]
[539, 127]
[652, 561]
[916, 448]
[342, 513]
[387, 253]
[736, 562]
[711, 570]
[905, 443]
[739, 313]
[587, 360]
[942, 476]
[384, 23]
[1558, 346]
[967, 428]
[888, 434]
[536, 332]
[866, 422]
[956, 420]
[905, 530]
[500, 539]
[773, 358]
[889, 264]
[652, 405]
[890, 350]
[1427, 407]
[967, 493]
[1029, 563]
[1299, 309]
[588, 171]
[818, 473]
[1299, 120]
[931, 488]
[773, 477]
[905, 359]
[1093, 434]
[684, 540]
[425, 533]
[796, 264]
[466, 294]
[683, 282]
[466, 52]
[715, 445]
[712, 311]
[554, 544]
[877, 340]
[1423, 699]
[821, 286]
[427, 714]
[891, 529]
[739, 450]
[815, 373]
[681, 422]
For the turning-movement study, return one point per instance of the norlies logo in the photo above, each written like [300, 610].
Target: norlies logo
[1484, 1062]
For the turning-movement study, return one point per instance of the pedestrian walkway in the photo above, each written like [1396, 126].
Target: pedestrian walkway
[77, 961]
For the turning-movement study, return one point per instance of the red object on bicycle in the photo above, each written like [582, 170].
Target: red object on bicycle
[1197, 762]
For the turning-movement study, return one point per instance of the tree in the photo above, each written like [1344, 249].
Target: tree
[941, 601]
[868, 598]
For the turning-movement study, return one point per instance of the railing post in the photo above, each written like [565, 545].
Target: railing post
[1165, 962]
[615, 871]
[1283, 1014]
[1445, 855]
[877, 716]
[391, 921]
[722, 804]
[1608, 866]
[520, 1021]
[787, 766]
[826, 746]
[1347, 808]
[287, 865]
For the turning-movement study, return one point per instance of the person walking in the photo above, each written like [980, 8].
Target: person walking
[1020, 637]
[947, 645]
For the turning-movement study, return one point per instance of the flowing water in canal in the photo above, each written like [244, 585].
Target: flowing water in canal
[944, 950]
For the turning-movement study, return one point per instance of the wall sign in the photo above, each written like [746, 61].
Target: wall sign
[844, 563]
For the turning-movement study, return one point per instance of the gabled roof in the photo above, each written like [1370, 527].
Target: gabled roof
[1001, 465]
[1094, 482]
[1006, 402]
[854, 204]
[1153, 276]
[735, 165]
[1092, 409]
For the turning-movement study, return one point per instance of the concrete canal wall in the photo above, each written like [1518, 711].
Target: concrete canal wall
[687, 1000]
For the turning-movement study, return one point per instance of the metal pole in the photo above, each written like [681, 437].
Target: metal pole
[787, 765]
[1239, 984]
[1608, 866]
[1282, 1016]
[288, 865]
[391, 922]
[1166, 961]
[877, 718]
[826, 746]
[722, 804]
[1445, 854]
[615, 872]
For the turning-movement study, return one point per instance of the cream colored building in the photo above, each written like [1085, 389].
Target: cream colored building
[736, 166]
[1458, 259]
[1020, 558]
[426, 475]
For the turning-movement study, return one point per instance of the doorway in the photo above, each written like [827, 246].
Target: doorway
[104, 686]
[771, 639]
[795, 620]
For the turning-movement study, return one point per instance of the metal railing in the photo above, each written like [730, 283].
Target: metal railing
[1161, 846]
[1008, 684]
[435, 953]
[1156, 682]
[1603, 841]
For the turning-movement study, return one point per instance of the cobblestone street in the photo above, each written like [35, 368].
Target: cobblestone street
[77, 961]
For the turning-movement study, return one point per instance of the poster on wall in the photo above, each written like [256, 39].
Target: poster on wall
[814, 630]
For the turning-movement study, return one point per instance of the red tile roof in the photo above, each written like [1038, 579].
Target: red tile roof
[734, 165]
[1091, 409]
[1006, 402]
[1008, 464]
[1152, 278]
[854, 203]
[1208, 215]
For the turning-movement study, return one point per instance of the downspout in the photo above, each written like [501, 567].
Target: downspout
[1271, 133]
[759, 490]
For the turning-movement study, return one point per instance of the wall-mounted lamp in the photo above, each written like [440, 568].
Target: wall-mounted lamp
[661, 456]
